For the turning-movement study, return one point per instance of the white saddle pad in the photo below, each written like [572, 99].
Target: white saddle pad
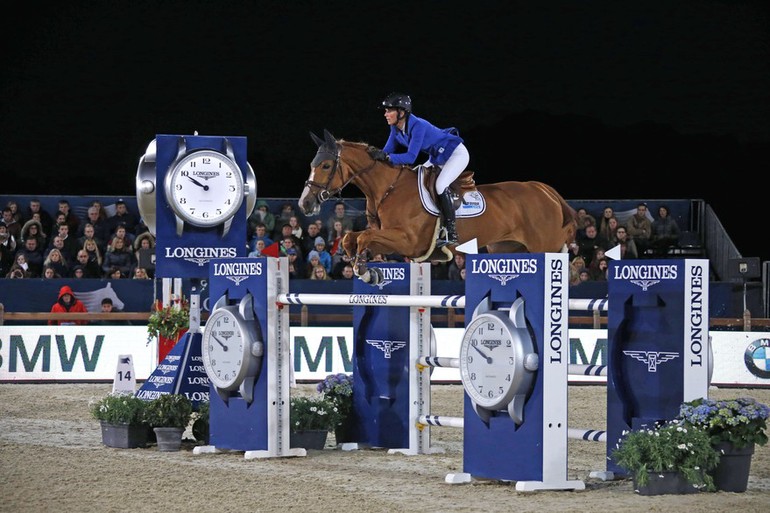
[473, 203]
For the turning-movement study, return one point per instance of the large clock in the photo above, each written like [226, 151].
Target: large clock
[498, 360]
[232, 348]
[204, 187]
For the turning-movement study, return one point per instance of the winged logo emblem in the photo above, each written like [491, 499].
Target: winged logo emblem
[652, 358]
[387, 346]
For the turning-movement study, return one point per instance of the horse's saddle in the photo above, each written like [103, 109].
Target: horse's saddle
[468, 200]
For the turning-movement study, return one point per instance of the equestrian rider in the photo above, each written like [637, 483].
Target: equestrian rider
[444, 147]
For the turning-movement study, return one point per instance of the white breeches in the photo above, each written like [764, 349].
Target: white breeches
[456, 164]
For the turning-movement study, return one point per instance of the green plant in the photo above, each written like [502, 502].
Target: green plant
[168, 321]
[169, 410]
[338, 388]
[200, 427]
[668, 447]
[313, 413]
[739, 421]
[119, 408]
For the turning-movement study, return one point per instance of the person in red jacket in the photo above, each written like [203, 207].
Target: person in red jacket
[67, 302]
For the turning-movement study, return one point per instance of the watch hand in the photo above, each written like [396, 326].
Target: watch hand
[224, 347]
[487, 358]
[196, 182]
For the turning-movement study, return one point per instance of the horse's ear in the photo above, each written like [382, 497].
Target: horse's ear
[330, 140]
[319, 142]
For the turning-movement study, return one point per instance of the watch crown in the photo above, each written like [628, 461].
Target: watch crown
[147, 187]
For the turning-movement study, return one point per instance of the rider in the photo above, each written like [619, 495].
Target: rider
[444, 147]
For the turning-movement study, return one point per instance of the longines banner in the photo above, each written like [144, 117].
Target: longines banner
[90, 353]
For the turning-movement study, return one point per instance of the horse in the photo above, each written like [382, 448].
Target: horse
[519, 217]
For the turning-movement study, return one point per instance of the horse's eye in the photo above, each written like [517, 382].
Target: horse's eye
[327, 166]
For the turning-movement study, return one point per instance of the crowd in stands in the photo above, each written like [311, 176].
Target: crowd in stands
[36, 244]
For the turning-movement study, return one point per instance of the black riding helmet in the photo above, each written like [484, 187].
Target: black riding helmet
[398, 101]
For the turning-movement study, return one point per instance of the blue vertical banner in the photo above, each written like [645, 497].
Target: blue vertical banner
[186, 254]
[381, 396]
[658, 342]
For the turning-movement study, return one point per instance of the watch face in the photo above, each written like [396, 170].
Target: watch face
[225, 350]
[205, 188]
[487, 361]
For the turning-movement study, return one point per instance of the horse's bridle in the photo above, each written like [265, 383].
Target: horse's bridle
[327, 154]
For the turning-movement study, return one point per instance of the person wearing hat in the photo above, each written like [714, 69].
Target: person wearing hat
[67, 302]
[296, 264]
[313, 259]
[325, 257]
[262, 214]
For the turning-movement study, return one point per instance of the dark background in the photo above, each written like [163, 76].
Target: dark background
[602, 100]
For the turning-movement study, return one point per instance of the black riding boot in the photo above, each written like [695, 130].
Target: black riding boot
[448, 213]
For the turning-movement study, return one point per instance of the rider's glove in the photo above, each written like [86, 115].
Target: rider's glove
[378, 154]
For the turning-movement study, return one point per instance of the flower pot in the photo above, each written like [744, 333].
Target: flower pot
[124, 436]
[345, 432]
[169, 438]
[665, 483]
[309, 438]
[732, 471]
[165, 345]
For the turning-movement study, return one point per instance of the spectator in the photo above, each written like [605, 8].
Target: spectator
[639, 228]
[258, 249]
[121, 232]
[34, 228]
[78, 272]
[575, 265]
[50, 273]
[102, 230]
[35, 208]
[287, 211]
[67, 302]
[319, 273]
[144, 252]
[56, 261]
[457, 263]
[69, 243]
[70, 218]
[58, 243]
[339, 261]
[341, 215]
[260, 233]
[7, 241]
[665, 232]
[15, 212]
[598, 270]
[115, 273]
[590, 242]
[347, 272]
[122, 217]
[296, 264]
[584, 275]
[93, 251]
[313, 259]
[33, 256]
[107, 308]
[283, 233]
[296, 227]
[140, 273]
[262, 214]
[308, 241]
[583, 219]
[90, 234]
[325, 257]
[14, 228]
[627, 246]
[118, 257]
[100, 208]
[602, 223]
[335, 236]
[90, 266]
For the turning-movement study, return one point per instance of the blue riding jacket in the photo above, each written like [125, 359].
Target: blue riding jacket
[420, 135]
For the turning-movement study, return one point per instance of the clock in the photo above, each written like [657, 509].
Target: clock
[498, 360]
[204, 187]
[232, 348]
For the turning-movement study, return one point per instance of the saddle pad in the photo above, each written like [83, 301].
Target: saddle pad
[473, 203]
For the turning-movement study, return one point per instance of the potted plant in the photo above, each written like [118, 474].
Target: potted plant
[169, 415]
[734, 427]
[168, 324]
[338, 388]
[669, 458]
[122, 419]
[311, 420]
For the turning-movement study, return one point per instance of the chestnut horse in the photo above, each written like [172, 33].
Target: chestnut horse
[519, 217]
